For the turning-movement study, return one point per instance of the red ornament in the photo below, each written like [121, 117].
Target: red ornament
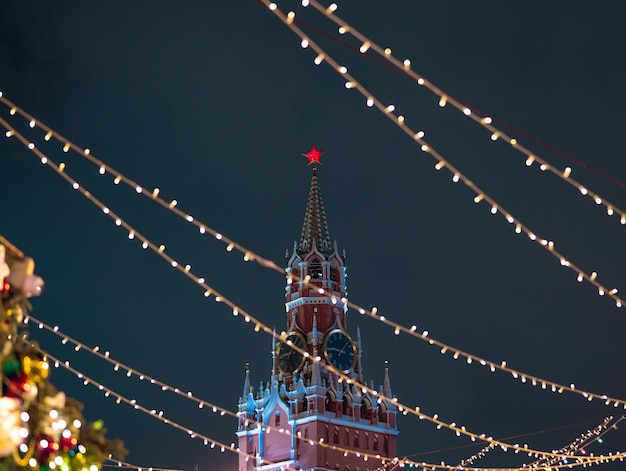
[18, 386]
[5, 286]
[314, 155]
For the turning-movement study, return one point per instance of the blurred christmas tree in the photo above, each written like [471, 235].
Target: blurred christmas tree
[40, 428]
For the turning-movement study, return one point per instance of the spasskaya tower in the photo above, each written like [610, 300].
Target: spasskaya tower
[309, 415]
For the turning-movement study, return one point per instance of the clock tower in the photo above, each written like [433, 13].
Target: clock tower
[306, 417]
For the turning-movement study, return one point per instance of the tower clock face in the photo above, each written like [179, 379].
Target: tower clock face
[339, 350]
[290, 360]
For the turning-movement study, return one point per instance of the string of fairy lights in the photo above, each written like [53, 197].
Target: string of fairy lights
[441, 163]
[249, 255]
[594, 435]
[160, 250]
[591, 435]
[258, 325]
[115, 463]
[457, 353]
[119, 398]
[213, 443]
[469, 358]
[445, 98]
[131, 372]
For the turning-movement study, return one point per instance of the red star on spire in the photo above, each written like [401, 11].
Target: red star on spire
[314, 155]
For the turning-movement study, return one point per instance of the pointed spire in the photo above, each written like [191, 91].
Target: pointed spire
[358, 345]
[246, 383]
[315, 229]
[274, 365]
[387, 383]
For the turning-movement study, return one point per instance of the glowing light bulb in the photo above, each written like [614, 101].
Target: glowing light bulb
[364, 47]
[304, 44]
[272, 6]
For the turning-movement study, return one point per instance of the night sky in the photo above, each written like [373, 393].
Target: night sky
[214, 102]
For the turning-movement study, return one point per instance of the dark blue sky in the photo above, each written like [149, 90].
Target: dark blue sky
[214, 103]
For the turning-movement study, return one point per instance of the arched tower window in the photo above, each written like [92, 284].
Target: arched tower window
[346, 406]
[315, 269]
[329, 403]
[277, 419]
[382, 412]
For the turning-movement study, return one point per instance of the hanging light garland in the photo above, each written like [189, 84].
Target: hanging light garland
[441, 162]
[208, 291]
[591, 435]
[59, 169]
[135, 405]
[118, 366]
[123, 464]
[249, 255]
[232, 448]
[132, 372]
[444, 98]
[108, 392]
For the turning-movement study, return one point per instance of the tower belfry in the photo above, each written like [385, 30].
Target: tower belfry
[305, 398]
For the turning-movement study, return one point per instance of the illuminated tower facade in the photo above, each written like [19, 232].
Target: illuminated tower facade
[308, 413]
